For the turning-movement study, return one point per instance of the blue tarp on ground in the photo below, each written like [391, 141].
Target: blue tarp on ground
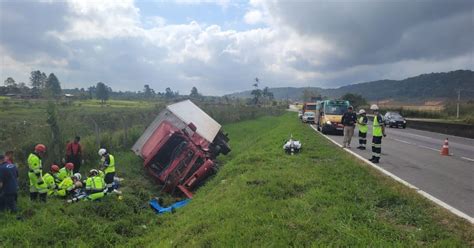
[160, 210]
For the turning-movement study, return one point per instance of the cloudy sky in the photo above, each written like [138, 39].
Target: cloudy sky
[221, 46]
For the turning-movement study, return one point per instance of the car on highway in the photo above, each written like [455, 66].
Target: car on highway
[394, 119]
[308, 117]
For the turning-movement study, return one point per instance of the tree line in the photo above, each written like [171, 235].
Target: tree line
[42, 86]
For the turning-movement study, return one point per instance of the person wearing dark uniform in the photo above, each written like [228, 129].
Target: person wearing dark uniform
[8, 185]
[363, 128]
[378, 130]
[349, 120]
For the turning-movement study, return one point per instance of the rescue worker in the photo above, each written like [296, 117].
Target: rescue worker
[66, 171]
[363, 128]
[51, 179]
[8, 185]
[378, 130]
[74, 153]
[37, 186]
[108, 165]
[95, 185]
[67, 186]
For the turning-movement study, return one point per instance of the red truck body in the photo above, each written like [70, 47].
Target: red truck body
[175, 153]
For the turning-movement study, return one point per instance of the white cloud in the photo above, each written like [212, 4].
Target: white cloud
[253, 17]
[106, 41]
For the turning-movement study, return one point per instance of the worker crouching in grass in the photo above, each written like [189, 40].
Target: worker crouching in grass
[67, 186]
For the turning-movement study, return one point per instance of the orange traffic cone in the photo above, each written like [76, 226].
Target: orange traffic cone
[445, 149]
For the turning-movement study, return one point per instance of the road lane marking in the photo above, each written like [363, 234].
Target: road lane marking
[398, 179]
[403, 141]
[469, 159]
[427, 147]
[411, 143]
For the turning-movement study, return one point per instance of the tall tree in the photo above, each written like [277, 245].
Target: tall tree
[102, 92]
[37, 79]
[148, 92]
[10, 82]
[169, 93]
[257, 94]
[53, 86]
[194, 92]
[267, 94]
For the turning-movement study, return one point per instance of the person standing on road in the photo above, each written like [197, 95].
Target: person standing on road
[378, 130]
[349, 120]
[363, 128]
[8, 185]
[74, 153]
[35, 173]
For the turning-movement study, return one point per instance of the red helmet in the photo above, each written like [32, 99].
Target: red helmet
[69, 166]
[40, 148]
[54, 168]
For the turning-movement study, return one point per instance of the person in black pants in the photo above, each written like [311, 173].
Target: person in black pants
[8, 185]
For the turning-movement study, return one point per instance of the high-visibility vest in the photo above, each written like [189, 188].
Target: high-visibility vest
[111, 167]
[63, 173]
[377, 127]
[95, 183]
[50, 183]
[34, 164]
[363, 128]
[65, 186]
[49, 180]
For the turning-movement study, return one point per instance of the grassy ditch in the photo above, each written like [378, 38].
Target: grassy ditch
[321, 197]
[260, 197]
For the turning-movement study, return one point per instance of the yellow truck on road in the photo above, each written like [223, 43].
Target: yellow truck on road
[329, 115]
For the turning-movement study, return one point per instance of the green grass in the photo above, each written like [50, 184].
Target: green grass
[260, 197]
[321, 197]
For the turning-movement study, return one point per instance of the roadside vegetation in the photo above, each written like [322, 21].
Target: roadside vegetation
[260, 197]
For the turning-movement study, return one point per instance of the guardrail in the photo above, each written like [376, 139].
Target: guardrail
[456, 129]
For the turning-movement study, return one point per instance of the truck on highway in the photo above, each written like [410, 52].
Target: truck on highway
[329, 115]
[180, 146]
[309, 107]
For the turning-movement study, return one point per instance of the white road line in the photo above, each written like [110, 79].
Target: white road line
[396, 178]
[469, 159]
[403, 141]
[436, 150]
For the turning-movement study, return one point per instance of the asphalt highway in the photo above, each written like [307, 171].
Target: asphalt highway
[414, 156]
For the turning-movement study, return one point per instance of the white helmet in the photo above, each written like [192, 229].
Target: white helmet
[102, 151]
[94, 172]
[362, 111]
[77, 176]
[374, 107]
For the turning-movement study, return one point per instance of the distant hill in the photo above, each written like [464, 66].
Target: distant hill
[441, 85]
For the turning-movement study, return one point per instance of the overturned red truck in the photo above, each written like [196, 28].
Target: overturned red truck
[180, 146]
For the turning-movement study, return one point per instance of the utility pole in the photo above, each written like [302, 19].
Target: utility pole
[459, 100]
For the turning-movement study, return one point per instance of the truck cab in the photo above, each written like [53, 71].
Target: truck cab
[329, 116]
[180, 146]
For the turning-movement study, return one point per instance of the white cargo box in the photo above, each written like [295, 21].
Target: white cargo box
[181, 114]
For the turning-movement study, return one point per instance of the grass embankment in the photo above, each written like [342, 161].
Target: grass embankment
[260, 197]
[322, 197]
